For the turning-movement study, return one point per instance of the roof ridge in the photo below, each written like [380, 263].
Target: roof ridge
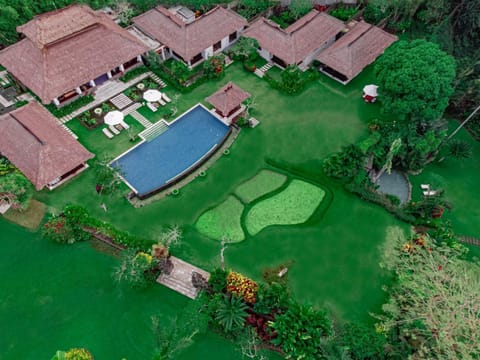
[305, 23]
[370, 27]
[13, 114]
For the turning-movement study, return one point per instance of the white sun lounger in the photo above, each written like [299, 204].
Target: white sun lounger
[163, 103]
[125, 125]
[151, 106]
[429, 193]
[107, 133]
[166, 98]
[425, 186]
[113, 130]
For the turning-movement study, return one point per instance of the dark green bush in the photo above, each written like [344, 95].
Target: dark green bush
[343, 13]
[134, 73]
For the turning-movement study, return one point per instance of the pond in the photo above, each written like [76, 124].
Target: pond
[395, 184]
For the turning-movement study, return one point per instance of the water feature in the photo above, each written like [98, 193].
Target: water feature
[395, 184]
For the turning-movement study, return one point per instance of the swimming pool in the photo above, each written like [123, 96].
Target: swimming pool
[188, 142]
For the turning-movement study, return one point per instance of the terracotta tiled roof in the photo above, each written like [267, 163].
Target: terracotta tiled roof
[359, 47]
[228, 98]
[34, 141]
[188, 40]
[297, 41]
[66, 48]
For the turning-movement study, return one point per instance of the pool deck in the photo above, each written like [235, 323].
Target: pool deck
[136, 202]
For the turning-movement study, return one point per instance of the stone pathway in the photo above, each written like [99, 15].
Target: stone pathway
[104, 93]
[69, 131]
[121, 101]
[180, 278]
[469, 240]
[141, 119]
[261, 71]
[157, 79]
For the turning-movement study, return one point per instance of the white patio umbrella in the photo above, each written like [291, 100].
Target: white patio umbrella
[371, 90]
[113, 118]
[152, 95]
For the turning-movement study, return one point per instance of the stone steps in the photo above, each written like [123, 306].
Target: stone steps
[155, 130]
[157, 80]
[69, 131]
[121, 101]
[259, 73]
[266, 67]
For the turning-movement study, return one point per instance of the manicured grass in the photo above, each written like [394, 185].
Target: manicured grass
[223, 221]
[275, 72]
[96, 142]
[335, 259]
[292, 206]
[262, 183]
[29, 218]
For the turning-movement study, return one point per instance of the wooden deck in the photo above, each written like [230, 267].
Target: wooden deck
[180, 278]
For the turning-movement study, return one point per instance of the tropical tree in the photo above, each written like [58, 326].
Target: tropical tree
[106, 176]
[180, 333]
[387, 166]
[214, 66]
[15, 190]
[136, 269]
[460, 149]
[299, 331]
[244, 49]
[415, 80]
[231, 313]
[299, 8]
[291, 79]
[434, 306]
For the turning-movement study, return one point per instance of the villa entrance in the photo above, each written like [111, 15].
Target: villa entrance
[101, 79]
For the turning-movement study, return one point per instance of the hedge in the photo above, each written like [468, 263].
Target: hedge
[68, 109]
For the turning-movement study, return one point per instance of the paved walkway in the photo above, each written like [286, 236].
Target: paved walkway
[180, 278]
[104, 93]
[141, 119]
[469, 240]
[121, 101]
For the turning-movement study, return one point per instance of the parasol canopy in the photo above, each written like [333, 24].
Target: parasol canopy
[152, 95]
[371, 90]
[113, 118]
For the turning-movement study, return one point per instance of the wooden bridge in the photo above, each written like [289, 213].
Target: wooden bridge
[180, 278]
[469, 240]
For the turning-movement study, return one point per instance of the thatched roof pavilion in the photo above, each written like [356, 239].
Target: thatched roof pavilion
[228, 99]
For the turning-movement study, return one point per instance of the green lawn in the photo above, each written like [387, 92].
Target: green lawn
[294, 205]
[67, 292]
[262, 183]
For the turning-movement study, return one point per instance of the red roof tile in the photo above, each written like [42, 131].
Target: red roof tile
[359, 47]
[228, 98]
[188, 40]
[66, 48]
[297, 41]
[33, 140]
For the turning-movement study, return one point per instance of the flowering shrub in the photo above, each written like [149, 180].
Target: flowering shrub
[57, 229]
[242, 286]
[78, 354]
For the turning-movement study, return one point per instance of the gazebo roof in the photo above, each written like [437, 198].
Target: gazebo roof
[228, 98]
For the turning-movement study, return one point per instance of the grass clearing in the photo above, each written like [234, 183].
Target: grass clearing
[29, 218]
[264, 182]
[292, 206]
[223, 221]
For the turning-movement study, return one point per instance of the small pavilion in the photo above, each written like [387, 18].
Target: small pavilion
[228, 102]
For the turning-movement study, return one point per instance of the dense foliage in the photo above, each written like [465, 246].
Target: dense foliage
[433, 311]
[73, 354]
[136, 269]
[214, 66]
[15, 188]
[299, 331]
[251, 8]
[415, 80]
[244, 49]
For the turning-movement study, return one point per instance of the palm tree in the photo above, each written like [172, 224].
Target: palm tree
[231, 313]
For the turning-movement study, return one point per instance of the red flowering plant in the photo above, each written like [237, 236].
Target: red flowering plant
[58, 229]
[242, 286]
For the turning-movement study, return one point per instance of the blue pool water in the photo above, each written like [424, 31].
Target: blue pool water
[154, 164]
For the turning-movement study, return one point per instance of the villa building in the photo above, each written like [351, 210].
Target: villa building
[359, 47]
[300, 43]
[228, 102]
[34, 141]
[190, 39]
[67, 53]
